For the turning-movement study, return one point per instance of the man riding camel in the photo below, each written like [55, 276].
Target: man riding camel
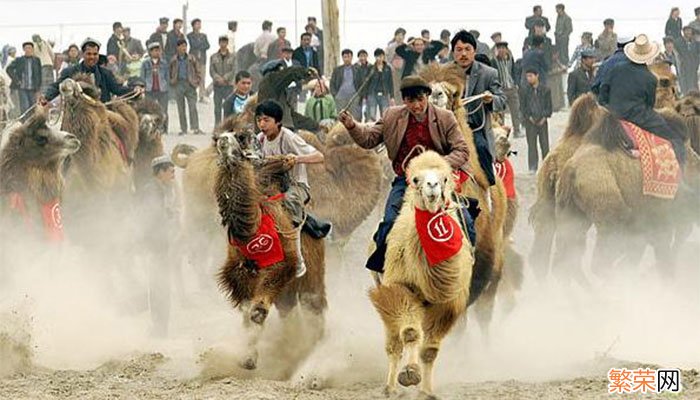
[404, 130]
[629, 92]
[104, 78]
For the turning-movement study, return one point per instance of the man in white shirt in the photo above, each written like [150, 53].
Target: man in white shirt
[263, 42]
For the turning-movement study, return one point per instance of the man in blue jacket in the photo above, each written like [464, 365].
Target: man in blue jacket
[155, 72]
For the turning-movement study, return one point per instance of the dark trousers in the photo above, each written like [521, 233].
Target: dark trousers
[375, 262]
[183, 90]
[162, 99]
[220, 94]
[27, 98]
[534, 134]
[513, 101]
[355, 109]
[374, 101]
[688, 78]
[562, 48]
[485, 156]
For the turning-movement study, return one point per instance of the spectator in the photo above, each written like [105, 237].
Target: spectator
[174, 37]
[305, 54]
[274, 52]
[161, 34]
[72, 57]
[380, 89]
[445, 56]
[44, 51]
[235, 103]
[581, 80]
[496, 38]
[155, 72]
[695, 24]
[25, 72]
[199, 44]
[135, 49]
[674, 24]
[689, 52]
[222, 68]
[671, 55]
[562, 31]
[536, 107]
[605, 44]
[184, 79]
[418, 54]
[481, 47]
[231, 34]
[114, 40]
[509, 77]
[535, 58]
[425, 34]
[536, 16]
[394, 59]
[363, 68]
[344, 84]
[586, 44]
[321, 105]
[262, 43]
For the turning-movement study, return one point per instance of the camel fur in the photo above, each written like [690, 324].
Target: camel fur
[241, 191]
[150, 143]
[417, 303]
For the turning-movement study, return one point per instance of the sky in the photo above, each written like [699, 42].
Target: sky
[363, 23]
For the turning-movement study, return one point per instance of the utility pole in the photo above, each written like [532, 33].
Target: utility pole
[331, 35]
[184, 16]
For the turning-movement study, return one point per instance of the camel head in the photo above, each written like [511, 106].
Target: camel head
[447, 83]
[81, 88]
[237, 145]
[666, 93]
[444, 95]
[38, 144]
[429, 176]
[502, 142]
[150, 120]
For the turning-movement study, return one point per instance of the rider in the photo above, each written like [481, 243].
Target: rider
[629, 92]
[402, 129]
[104, 78]
[277, 140]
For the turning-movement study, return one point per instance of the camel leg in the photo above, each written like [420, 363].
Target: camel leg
[394, 350]
[540, 254]
[485, 305]
[411, 337]
[660, 240]
[570, 245]
[253, 332]
[437, 323]
[604, 253]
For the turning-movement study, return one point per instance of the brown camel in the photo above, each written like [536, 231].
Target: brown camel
[584, 113]
[150, 143]
[254, 285]
[601, 185]
[666, 93]
[447, 82]
[419, 302]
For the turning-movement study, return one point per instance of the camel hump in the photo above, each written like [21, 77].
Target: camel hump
[181, 154]
[585, 112]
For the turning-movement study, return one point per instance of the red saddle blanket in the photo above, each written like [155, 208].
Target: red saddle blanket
[439, 235]
[52, 220]
[265, 248]
[504, 170]
[661, 172]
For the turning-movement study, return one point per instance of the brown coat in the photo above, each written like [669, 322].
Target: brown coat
[391, 128]
[193, 72]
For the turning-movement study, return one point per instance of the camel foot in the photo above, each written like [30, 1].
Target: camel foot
[258, 315]
[250, 362]
[390, 391]
[410, 376]
[427, 396]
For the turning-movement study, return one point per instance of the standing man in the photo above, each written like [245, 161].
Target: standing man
[401, 129]
[113, 42]
[671, 54]
[344, 85]
[274, 52]
[363, 68]
[562, 31]
[42, 49]
[236, 101]
[104, 79]
[262, 43]
[25, 72]
[222, 69]
[231, 34]
[605, 44]
[184, 78]
[536, 16]
[161, 34]
[509, 78]
[199, 44]
[689, 51]
[480, 80]
[319, 34]
[394, 59]
[380, 90]
[535, 58]
[132, 66]
[174, 37]
[305, 55]
[419, 53]
[155, 72]
[581, 80]
[481, 47]
[536, 107]
[695, 24]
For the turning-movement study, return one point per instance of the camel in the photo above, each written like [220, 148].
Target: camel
[601, 185]
[150, 143]
[666, 92]
[447, 83]
[243, 187]
[585, 112]
[419, 301]
[31, 178]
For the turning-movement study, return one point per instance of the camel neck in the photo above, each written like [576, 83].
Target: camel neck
[239, 199]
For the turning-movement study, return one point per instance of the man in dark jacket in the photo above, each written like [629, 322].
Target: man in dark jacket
[174, 36]
[25, 72]
[418, 54]
[380, 89]
[363, 68]
[199, 44]
[629, 92]
[305, 54]
[161, 34]
[184, 79]
[344, 84]
[535, 58]
[689, 54]
[481, 80]
[581, 80]
[617, 58]
[562, 31]
[535, 107]
[536, 16]
[509, 76]
[104, 79]
[113, 42]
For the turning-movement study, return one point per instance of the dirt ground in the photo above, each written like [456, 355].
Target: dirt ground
[63, 337]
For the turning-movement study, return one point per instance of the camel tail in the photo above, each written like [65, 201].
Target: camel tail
[481, 274]
[181, 154]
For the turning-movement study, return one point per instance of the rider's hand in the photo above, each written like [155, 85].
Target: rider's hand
[488, 97]
[347, 120]
[42, 100]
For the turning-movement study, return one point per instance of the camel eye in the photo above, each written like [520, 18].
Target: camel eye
[41, 140]
[415, 180]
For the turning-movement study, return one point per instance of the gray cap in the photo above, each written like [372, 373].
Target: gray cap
[92, 41]
[161, 160]
[153, 45]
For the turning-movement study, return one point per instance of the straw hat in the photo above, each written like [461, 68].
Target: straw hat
[641, 51]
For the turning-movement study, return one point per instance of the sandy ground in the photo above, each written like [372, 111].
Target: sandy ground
[64, 336]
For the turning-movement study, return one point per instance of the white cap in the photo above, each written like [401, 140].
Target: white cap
[624, 39]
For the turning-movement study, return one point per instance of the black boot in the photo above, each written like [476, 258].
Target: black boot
[317, 228]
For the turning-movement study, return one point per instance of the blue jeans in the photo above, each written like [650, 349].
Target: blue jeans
[374, 100]
[375, 262]
[27, 98]
[484, 154]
